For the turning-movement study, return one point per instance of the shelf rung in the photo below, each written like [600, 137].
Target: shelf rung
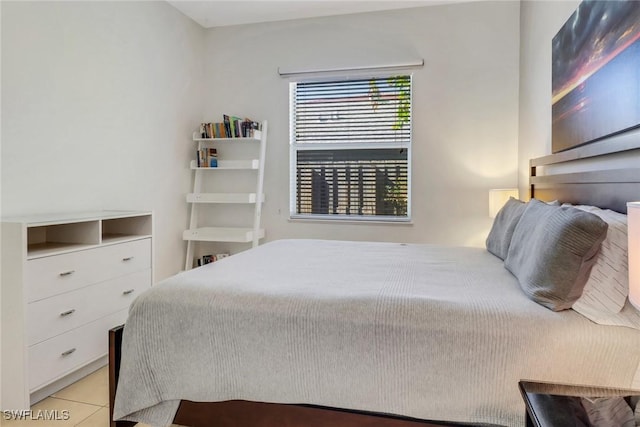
[230, 164]
[222, 198]
[221, 234]
[255, 138]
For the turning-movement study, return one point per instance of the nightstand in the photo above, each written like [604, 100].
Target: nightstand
[560, 405]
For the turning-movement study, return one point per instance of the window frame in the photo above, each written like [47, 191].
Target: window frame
[294, 147]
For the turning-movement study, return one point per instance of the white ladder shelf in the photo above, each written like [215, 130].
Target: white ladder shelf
[197, 233]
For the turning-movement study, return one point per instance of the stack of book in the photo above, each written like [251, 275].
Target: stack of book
[207, 158]
[208, 259]
[231, 127]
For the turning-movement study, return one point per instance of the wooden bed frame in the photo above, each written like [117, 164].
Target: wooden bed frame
[606, 188]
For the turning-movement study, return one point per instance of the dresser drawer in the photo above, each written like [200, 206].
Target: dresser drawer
[125, 258]
[54, 275]
[55, 315]
[56, 357]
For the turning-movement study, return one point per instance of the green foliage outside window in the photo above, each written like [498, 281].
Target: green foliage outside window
[403, 85]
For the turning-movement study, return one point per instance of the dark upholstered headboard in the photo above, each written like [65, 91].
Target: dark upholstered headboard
[591, 174]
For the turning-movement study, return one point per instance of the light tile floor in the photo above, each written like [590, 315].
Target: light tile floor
[87, 403]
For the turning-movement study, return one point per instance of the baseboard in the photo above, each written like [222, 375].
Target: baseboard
[69, 379]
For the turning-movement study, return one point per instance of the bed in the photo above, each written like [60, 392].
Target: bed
[364, 333]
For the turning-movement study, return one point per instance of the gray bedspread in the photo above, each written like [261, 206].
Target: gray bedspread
[432, 332]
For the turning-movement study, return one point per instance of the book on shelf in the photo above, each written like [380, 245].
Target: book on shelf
[227, 125]
[236, 127]
[212, 158]
[212, 130]
[231, 127]
[207, 158]
[208, 259]
[200, 158]
[220, 131]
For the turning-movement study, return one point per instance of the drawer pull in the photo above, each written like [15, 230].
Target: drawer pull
[127, 292]
[129, 258]
[67, 273]
[66, 313]
[68, 352]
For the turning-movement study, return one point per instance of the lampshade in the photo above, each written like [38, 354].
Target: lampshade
[498, 197]
[633, 224]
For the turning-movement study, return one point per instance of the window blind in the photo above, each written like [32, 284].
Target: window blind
[354, 111]
[350, 147]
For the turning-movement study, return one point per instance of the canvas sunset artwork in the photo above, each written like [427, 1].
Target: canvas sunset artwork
[595, 68]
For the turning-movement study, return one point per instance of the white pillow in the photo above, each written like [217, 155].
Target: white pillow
[606, 291]
[628, 316]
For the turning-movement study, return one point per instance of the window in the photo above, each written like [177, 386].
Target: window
[350, 149]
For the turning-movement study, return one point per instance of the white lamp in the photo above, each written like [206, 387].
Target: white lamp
[498, 197]
[633, 232]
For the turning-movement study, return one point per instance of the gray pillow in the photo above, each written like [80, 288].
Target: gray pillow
[552, 251]
[504, 224]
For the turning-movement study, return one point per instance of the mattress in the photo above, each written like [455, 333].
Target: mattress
[425, 331]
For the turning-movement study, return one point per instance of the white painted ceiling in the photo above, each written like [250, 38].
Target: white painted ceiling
[216, 13]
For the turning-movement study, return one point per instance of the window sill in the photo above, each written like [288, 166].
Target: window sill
[350, 220]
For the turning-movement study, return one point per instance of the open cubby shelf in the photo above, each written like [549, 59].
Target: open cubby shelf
[55, 236]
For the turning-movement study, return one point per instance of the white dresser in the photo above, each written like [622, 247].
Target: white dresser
[66, 280]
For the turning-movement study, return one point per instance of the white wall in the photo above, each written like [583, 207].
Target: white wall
[465, 106]
[98, 103]
[539, 22]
